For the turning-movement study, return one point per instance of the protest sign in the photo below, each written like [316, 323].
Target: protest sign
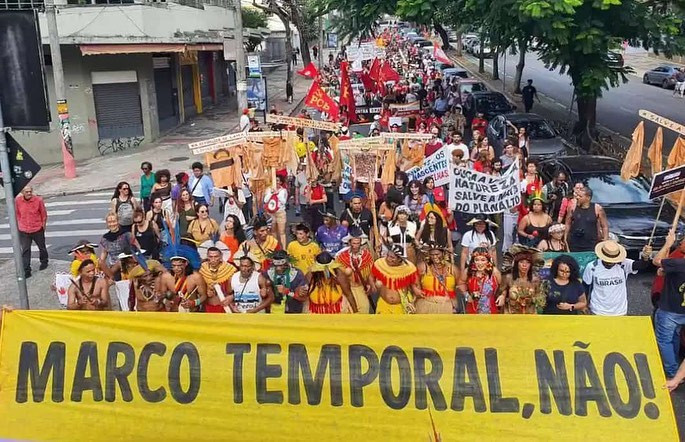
[436, 165]
[475, 192]
[231, 377]
[346, 173]
[668, 181]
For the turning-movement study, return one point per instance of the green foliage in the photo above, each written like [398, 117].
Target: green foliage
[253, 18]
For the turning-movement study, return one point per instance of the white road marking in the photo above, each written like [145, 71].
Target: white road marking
[69, 222]
[10, 250]
[58, 212]
[64, 234]
[75, 203]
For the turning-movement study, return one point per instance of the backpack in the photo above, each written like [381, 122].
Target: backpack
[124, 210]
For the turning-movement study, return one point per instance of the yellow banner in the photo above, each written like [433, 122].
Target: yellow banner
[91, 376]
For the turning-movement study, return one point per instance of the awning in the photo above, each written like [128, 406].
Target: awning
[146, 48]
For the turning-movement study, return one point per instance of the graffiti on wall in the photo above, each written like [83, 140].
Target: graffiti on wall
[65, 126]
[111, 145]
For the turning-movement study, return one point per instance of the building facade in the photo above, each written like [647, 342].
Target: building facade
[133, 70]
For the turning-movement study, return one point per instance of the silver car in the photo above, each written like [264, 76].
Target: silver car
[663, 75]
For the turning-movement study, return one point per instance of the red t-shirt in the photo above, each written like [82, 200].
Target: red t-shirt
[317, 192]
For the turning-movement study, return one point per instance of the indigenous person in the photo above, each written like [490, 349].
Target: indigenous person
[402, 232]
[189, 286]
[328, 289]
[262, 245]
[357, 261]
[555, 241]
[534, 226]
[151, 285]
[566, 294]
[397, 282]
[287, 283]
[303, 250]
[250, 291]
[88, 292]
[586, 223]
[330, 235]
[479, 283]
[123, 204]
[608, 278]
[357, 216]
[438, 281]
[32, 218]
[84, 250]
[216, 272]
[520, 291]
[433, 230]
[480, 235]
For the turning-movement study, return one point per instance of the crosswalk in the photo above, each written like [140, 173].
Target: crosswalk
[70, 219]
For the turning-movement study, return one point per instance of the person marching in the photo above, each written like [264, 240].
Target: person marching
[397, 282]
[262, 245]
[84, 250]
[216, 272]
[439, 279]
[303, 251]
[151, 285]
[521, 291]
[479, 283]
[357, 262]
[250, 291]
[328, 290]
[190, 287]
[88, 292]
[288, 284]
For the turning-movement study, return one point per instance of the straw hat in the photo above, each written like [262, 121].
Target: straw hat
[610, 251]
[481, 218]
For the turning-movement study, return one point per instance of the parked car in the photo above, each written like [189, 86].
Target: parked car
[544, 141]
[614, 59]
[478, 47]
[440, 66]
[663, 75]
[470, 44]
[466, 86]
[454, 72]
[490, 104]
[630, 212]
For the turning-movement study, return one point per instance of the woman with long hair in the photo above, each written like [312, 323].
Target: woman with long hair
[566, 294]
[233, 234]
[185, 210]
[156, 215]
[479, 282]
[555, 241]
[123, 204]
[433, 230]
[146, 233]
[415, 199]
[402, 231]
[204, 227]
[438, 278]
[521, 291]
[428, 187]
[534, 227]
[162, 188]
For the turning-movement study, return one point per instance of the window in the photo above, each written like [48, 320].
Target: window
[21, 4]
[611, 189]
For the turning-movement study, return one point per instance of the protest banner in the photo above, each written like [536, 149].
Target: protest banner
[582, 258]
[668, 181]
[302, 122]
[191, 377]
[436, 165]
[406, 110]
[346, 173]
[475, 192]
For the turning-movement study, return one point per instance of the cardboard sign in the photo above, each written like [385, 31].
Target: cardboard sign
[668, 181]
[302, 122]
[475, 192]
[436, 165]
[406, 136]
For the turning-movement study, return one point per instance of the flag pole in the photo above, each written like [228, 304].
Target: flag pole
[680, 209]
[658, 215]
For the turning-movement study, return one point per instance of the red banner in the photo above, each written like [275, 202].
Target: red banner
[346, 95]
[309, 71]
[439, 54]
[319, 99]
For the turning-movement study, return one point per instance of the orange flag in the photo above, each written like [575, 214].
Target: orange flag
[631, 164]
[677, 156]
[654, 153]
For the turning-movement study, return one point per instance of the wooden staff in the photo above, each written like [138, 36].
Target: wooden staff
[680, 209]
[372, 195]
[658, 215]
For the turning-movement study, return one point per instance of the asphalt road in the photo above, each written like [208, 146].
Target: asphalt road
[617, 109]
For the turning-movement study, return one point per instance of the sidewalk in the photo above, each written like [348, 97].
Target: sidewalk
[168, 152]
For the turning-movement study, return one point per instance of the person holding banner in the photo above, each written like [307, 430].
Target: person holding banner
[478, 285]
[397, 282]
[287, 283]
[249, 290]
[357, 261]
[438, 281]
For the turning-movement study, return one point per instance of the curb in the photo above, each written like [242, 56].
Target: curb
[103, 188]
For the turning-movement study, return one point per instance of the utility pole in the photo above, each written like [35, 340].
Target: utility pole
[12, 216]
[241, 82]
[322, 42]
[60, 91]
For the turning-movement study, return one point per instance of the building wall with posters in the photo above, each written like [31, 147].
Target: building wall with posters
[134, 70]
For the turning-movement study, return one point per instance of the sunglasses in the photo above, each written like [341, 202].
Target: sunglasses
[125, 188]
[202, 211]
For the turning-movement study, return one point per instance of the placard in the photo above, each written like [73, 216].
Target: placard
[668, 181]
[302, 122]
[436, 165]
[478, 193]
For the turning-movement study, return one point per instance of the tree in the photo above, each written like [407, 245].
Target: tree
[254, 19]
[575, 36]
[273, 7]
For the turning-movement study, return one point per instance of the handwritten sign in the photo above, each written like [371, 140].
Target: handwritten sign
[406, 136]
[475, 192]
[661, 121]
[240, 136]
[302, 122]
[436, 165]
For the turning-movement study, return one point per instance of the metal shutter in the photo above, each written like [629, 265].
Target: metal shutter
[117, 109]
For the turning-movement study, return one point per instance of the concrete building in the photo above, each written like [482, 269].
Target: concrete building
[134, 69]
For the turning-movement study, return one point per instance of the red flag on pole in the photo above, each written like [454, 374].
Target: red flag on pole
[319, 99]
[346, 95]
[439, 54]
[388, 73]
[309, 71]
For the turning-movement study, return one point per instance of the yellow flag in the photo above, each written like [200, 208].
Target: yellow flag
[631, 164]
[655, 151]
[677, 156]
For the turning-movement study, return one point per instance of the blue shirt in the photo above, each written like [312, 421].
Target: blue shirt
[331, 239]
[206, 184]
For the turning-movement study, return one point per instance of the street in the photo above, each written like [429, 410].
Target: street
[617, 109]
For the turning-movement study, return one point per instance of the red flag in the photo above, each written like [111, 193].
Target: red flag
[388, 73]
[346, 95]
[319, 99]
[309, 71]
[368, 82]
[440, 55]
[375, 70]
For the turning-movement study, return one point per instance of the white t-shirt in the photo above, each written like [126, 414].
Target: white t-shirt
[609, 296]
[473, 240]
[282, 197]
[461, 146]
[244, 123]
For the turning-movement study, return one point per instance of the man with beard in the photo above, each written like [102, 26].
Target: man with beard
[215, 271]
[249, 291]
[88, 292]
[152, 285]
[288, 284]
[357, 216]
[397, 282]
[189, 286]
[357, 262]
[262, 245]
